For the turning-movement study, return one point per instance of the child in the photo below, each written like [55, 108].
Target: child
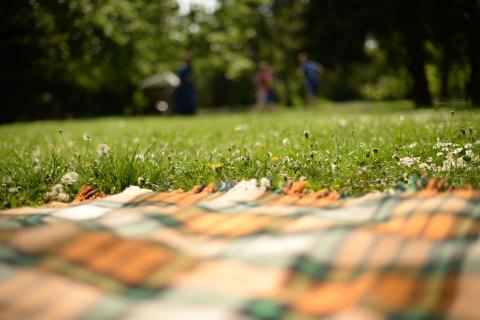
[266, 96]
[311, 72]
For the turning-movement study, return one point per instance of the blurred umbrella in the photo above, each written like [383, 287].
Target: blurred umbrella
[159, 89]
[166, 80]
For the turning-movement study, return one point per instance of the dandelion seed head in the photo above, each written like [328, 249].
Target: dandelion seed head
[63, 197]
[36, 152]
[103, 150]
[38, 166]
[54, 191]
[69, 178]
[13, 190]
[87, 137]
[342, 122]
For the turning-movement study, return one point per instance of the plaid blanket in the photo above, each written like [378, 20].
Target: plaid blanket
[244, 252]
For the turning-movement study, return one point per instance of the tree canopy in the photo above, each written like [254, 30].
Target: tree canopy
[86, 57]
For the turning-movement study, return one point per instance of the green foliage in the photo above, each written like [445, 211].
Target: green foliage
[75, 55]
[85, 57]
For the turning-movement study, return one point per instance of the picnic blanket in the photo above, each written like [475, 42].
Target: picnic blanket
[243, 251]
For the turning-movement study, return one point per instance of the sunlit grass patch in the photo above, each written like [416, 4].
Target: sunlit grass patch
[354, 148]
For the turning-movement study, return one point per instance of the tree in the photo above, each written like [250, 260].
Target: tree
[472, 16]
[80, 56]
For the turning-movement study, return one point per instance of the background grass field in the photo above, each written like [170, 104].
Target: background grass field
[353, 148]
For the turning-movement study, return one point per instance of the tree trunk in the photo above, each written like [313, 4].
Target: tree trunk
[286, 79]
[473, 89]
[416, 68]
[445, 65]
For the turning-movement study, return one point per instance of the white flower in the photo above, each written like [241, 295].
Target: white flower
[36, 152]
[58, 188]
[241, 128]
[440, 154]
[139, 157]
[468, 146]
[103, 150]
[342, 122]
[7, 181]
[37, 168]
[87, 137]
[286, 141]
[457, 151]
[412, 145]
[63, 197]
[13, 190]
[461, 162]
[141, 181]
[334, 167]
[363, 170]
[57, 193]
[69, 178]
[451, 163]
[408, 161]
[265, 183]
[424, 166]
[442, 145]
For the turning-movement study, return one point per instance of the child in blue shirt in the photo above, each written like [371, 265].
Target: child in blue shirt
[311, 72]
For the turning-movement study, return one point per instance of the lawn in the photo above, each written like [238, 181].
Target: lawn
[353, 148]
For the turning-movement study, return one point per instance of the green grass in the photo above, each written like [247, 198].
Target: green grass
[354, 148]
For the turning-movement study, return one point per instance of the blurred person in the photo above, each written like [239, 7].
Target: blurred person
[266, 96]
[311, 72]
[185, 94]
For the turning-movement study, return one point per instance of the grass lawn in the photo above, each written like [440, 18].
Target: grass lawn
[352, 147]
